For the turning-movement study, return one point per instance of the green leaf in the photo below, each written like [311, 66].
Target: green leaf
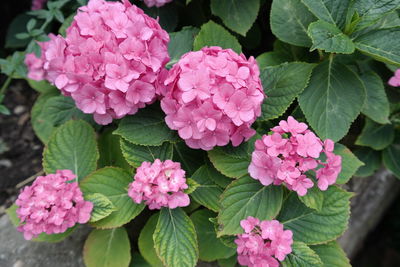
[67, 22]
[328, 37]
[54, 238]
[138, 260]
[181, 42]
[315, 227]
[113, 183]
[370, 11]
[146, 128]
[212, 34]
[190, 159]
[137, 154]
[210, 247]
[175, 239]
[41, 126]
[381, 45]
[146, 243]
[230, 262]
[110, 151]
[107, 248]
[371, 159]
[17, 25]
[41, 86]
[350, 163]
[289, 22]
[247, 197]
[332, 255]
[237, 15]
[72, 146]
[391, 157]
[376, 136]
[282, 84]
[376, 105]
[208, 193]
[4, 110]
[102, 206]
[332, 100]
[167, 15]
[314, 198]
[331, 11]
[302, 256]
[60, 109]
[192, 186]
[228, 163]
[12, 214]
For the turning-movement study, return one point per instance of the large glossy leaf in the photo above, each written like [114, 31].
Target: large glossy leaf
[229, 164]
[331, 11]
[289, 22]
[350, 163]
[72, 146]
[102, 206]
[247, 197]
[376, 105]
[370, 11]
[333, 99]
[302, 256]
[329, 37]
[314, 198]
[190, 159]
[315, 227]
[107, 248]
[146, 243]
[381, 44]
[210, 247]
[212, 34]
[376, 136]
[181, 42]
[113, 183]
[147, 128]
[41, 126]
[282, 84]
[371, 159]
[332, 255]
[110, 151]
[175, 239]
[136, 154]
[237, 15]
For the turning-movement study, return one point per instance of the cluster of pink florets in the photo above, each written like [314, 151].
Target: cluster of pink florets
[213, 97]
[160, 184]
[109, 62]
[395, 80]
[38, 4]
[289, 152]
[263, 243]
[51, 205]
[157, 3]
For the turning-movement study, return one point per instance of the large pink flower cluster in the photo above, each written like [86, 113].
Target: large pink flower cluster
[289, 152]
[109, 62]
[157, 3]
[213, 96]
[38, 4]
[160, 184]
[263, 243]
[395, 80]
[51, 205]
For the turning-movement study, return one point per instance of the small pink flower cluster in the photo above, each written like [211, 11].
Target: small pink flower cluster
[157, 3]
[395, 80]
[278, 160]
[214, 95]
[38, 4]
[51, 205]
[109, 62]
[160, 184]
[263, 243]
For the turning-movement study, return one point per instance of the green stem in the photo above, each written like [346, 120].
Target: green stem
[5, 85]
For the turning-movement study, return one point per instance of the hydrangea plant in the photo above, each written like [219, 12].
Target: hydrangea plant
[168, 138]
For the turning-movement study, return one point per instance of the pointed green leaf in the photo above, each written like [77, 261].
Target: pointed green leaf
[302, 256]
[331, 11]
[316, 227]
[247, 197]
[370, 11]
[107, 248]
[229, 262]
[332, 255]
[12, 214]
[175, 239]
[314, 198]
[146, 243]
[41, 86]
[332, 100]
[102, 206]
[229, 164]
[282, 84]
[110, 151]
[42, 127]
[113, 183]
[181, 43]
[376, 136]
[237, 15]
[371, 159]
[350, 163]
[289, 21]
[190, 159]
[212, 34]
[73, 147]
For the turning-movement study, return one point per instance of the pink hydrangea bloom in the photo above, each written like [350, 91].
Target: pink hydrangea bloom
[38, 4]
[213, 96]
[51, 205]
[157, 3]
[109, 62]
[160, 184]
[289, 152]
[263, 244]
[395, 80]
